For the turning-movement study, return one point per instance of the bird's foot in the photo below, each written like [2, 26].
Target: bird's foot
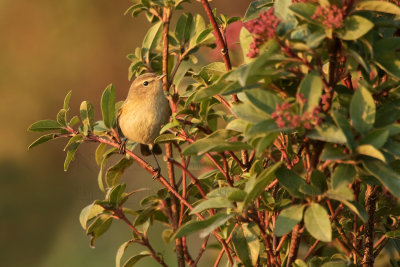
[157, 173]
[122, 147]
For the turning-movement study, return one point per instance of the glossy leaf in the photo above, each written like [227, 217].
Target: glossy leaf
[328, 133]
[317, 223]
[369, 150]
[379, 6]
[343, 175]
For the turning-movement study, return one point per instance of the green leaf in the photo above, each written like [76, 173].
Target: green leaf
[114, 173]
[386, 175]
[114, 194]
[246, 245]
[344, 125]
[62, 117]
[206, 226]
[99, 227]
[343, 175]
[304, 11]
[108, 106]
[287, 219]
[334, 264]
[216, 142]
[255, 8]
[281, 9]
[75, 139]
[183, 26]
[263, 99]
[151, 40]
[167, 138]
[121, 251]
[134, 259]
[70, 155]
[291, 181]
[100, 152]
[362, 110]
[88, 213]
[393, 234]
[328, 133]
[369, 150]
[245, 40]
[354, 27]
[317, 223]
[87, 115]
[214, 68]
[311, 88]
[66, 100]
[379, 6]
[248, 112]
[44, 125]
[212, 203]
[42, 140]
[255, 186]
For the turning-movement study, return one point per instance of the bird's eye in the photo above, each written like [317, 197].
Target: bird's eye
[145, 83]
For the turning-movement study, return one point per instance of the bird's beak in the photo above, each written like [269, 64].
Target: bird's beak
[161, 76]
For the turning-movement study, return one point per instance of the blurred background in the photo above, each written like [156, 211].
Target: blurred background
[46, 49]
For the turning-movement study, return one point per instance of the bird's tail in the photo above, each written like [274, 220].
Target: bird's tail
[146, 150]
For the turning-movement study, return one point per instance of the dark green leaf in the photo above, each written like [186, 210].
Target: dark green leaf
[44, 125]
[344, 125]
[206, 226]
[183, 26]
[255, 186]
[42, 139]
[287, 219]
[241, 247]
[354, 27]
[70, 155]
[114, 173]
[388, 177]
[248, 112]
[75, 139]
[317, 223]
[108, 106]
[343, 175]
[151, 40]
[291, 181]
[304, 10]
[263, 99]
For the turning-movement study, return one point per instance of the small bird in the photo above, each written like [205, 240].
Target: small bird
[145, 110]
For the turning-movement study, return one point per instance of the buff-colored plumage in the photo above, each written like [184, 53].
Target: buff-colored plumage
[145, 110]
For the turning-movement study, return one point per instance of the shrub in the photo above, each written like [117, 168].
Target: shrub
[300, 143]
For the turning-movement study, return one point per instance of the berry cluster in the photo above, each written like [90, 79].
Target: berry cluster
[284, 117]
[332, 17]
[263, 28]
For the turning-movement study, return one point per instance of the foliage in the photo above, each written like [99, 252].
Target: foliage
[299, 143]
